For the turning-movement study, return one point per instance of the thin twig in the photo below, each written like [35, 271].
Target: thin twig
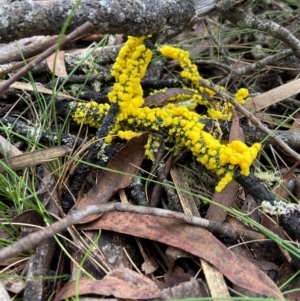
[257, 65]
[35, 238]
[243, 17]
[86, 27]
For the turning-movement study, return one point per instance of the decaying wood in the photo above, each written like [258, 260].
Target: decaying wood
[85, 27]
[38, 266]
[29, 47]
[35, 158]
[135, 17]
[99, 56]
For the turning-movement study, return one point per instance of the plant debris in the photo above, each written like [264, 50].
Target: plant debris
[136, 169]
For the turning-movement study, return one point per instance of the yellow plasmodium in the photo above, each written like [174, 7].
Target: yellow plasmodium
[177, 124]
[190, 72]
[127, 135]
[90, 113]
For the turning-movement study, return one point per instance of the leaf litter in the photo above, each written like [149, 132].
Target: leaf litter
[240, 269]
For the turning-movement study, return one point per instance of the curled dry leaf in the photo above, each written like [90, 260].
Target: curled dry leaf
[121, 283]
[176, 276]
[149, 266]
[191, 289]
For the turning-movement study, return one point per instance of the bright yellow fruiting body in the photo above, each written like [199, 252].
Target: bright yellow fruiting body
[190, 70]
[177, 123]
[241, 95]
[127, 135]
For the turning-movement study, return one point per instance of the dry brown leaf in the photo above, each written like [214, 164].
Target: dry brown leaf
[150, 265]
[236, 132]
[161, 97]
[191, 289]
[225, 198]
[271, 225]
[195, 240]
[30, 217]
[261, 264]
[121, 283]
[108, 182]
[175, 277]
[57, 61]
[214, 278]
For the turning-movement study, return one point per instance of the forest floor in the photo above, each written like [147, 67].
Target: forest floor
[130, 234]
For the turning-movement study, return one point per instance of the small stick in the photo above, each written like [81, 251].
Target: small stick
[86, 27]
[34, 158]
[257, 65]
[35, 238]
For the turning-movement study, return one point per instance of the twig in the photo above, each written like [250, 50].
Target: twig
[257, 65]
[136, 17]
[243, 17]
[35, 238]
[251, 117]
[34, 158]
[137, 191]
[86, 27]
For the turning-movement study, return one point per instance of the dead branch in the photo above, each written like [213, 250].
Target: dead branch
[77, 32]
[74, 217]
[242, 16]
[29, 47]
[21, 19]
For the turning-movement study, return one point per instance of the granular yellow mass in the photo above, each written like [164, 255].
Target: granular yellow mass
[180, 124]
